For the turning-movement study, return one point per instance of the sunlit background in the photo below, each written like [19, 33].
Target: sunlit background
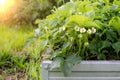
[7, 8]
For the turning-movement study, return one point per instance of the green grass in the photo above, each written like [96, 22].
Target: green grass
[13, 41]
[13, 38]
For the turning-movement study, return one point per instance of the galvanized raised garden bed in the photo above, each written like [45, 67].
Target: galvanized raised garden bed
[86, 70]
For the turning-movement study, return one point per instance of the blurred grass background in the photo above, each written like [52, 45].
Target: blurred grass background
[20, 56]
[12, 38]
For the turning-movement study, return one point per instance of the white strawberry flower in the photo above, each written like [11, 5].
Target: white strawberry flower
[82, 30]
[93, 30]
[89, 31]
[76, 28]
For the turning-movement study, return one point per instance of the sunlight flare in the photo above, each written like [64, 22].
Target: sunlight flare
[2, 2]
[6, 4]
[7, 7]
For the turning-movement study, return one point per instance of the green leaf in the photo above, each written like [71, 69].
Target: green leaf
[67, 68]
[101, 57]
[106, 1]
[43, 44]
[79, 19]
[115, 23]
[114, 7]
[74, 59]
[57, 62]
[116, 46]
[65, 47]
[57, 54]
[117, 2]
[111, 35]
[104, 44]
[90, 14]
[93, 48]
[37, 21]
[82, 21]
[68, 64]
[96, 47]
[99, 23]
[92, 24]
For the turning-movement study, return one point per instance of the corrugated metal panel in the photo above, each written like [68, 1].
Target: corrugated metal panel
[97, 66]
[84, 78]
[86, 70]
[45, 70]
[87, 74]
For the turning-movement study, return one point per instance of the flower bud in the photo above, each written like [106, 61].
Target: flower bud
[80, 35]
[86, 43]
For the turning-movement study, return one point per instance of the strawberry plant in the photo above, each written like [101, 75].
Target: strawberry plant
[81, 30]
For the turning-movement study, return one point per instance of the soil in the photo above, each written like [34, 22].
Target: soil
[19, 75]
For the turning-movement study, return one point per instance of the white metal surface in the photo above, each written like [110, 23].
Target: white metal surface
[86, 70]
